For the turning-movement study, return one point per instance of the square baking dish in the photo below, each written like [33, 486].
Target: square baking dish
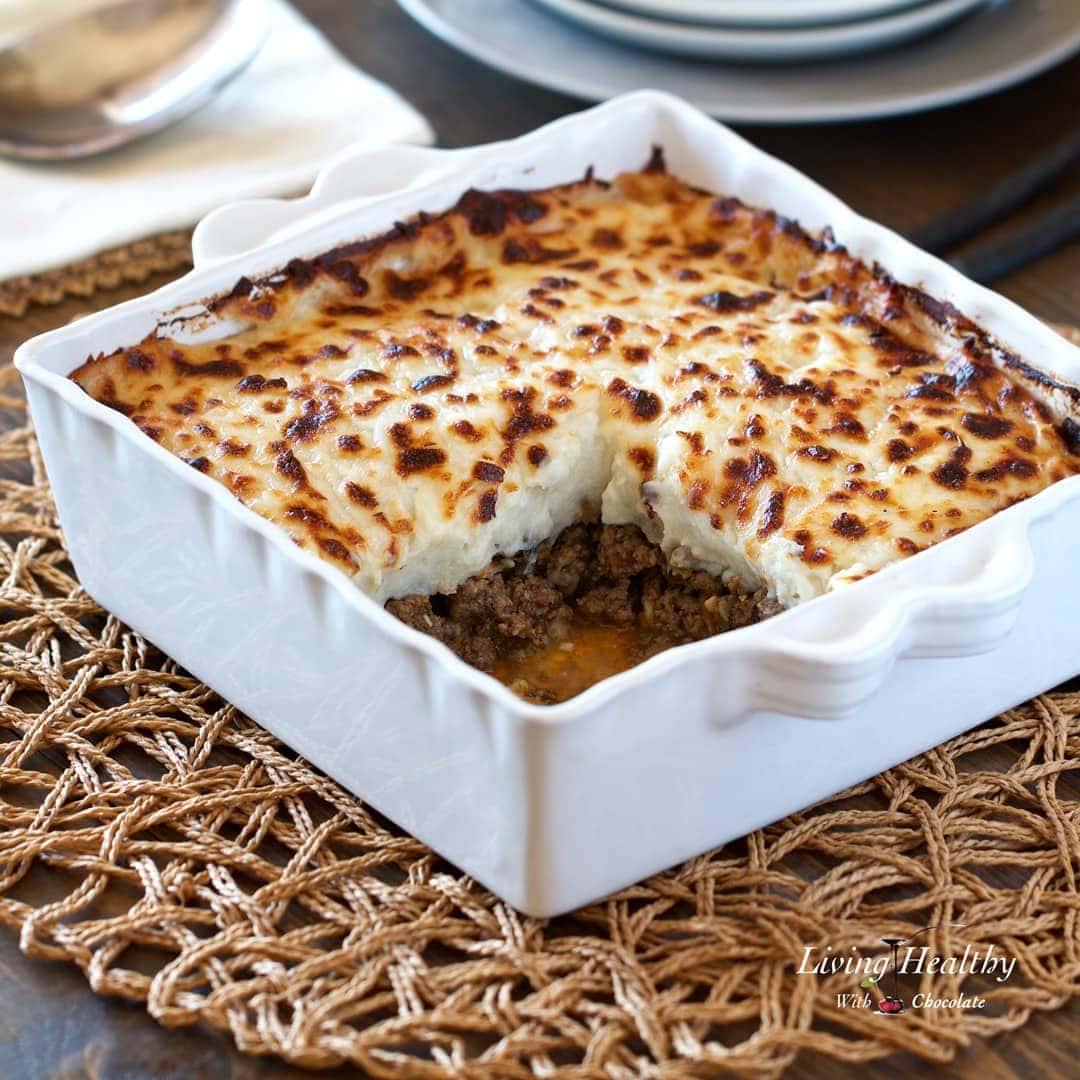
[554, 806]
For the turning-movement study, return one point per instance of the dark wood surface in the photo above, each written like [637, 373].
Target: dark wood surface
[902, 172]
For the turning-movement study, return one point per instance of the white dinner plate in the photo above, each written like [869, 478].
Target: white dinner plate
[995, 47]
[763, 45]
[764, 12]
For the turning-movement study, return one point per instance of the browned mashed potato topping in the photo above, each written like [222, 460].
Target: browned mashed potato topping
[751, 412]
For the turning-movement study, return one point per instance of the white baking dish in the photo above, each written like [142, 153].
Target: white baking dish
[553, 806]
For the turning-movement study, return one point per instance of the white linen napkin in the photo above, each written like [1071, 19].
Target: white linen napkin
[268, 133]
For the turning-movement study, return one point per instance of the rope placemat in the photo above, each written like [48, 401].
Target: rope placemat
[130, 264]
[195, 864]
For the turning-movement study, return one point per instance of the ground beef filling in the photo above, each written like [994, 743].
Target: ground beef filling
[598, 599]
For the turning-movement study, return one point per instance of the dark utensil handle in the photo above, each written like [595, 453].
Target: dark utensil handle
[1023, 243]
[1011, 191]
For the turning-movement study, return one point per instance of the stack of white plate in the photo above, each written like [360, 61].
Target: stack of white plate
[766, 61]
[762, 30]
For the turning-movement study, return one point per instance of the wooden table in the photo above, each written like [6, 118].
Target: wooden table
[901, 172]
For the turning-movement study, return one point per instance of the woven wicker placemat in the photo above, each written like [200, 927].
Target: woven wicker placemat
[197, 865]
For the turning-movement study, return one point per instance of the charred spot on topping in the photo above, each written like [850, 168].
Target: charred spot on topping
[199, 464]
[695, 397]
[606, 239]
[415, 459]
[635, 354]
[935, 386]
[208, 369]
[205, 429]
[1008, 466]
[893, 350]
[817, 453]
[484, 214]
[238, 482]
[360, 495]
[906, 546]
[350, 443]
[305, 428]
[334, 548]
[745, 475]
[524, 206]
[182, 408]
[563, 377]
[252, 384]
[810, 554]
[585, 330]
[393, 352]
[420, 411]
[300, 273]
[986, 427]
[696, 441]
[366, 408]
[287, 464]
[898, 450]
[232, 448]
[535, 313]
[432, 382]
[773, 516]
[703, 249]
[656, 162]
[953, 473]
[846, 424]
[695, 496]
[537, 454]
[531, 251]
[772, 385]
[722, 301]
[643, 458]
[346, 271]
[558, 283]
[754, 427]
[466, 431]
[848, 526]
[581, 265]
[488, 472]
[1070, 436]
[524, 420]
[401, 288]
[686, 273]
[362, 375]
[485, 506]
[644, 404]
[481, 326]
[612, 325]
[137, 360]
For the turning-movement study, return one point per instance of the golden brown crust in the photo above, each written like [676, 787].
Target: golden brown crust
[764, 400]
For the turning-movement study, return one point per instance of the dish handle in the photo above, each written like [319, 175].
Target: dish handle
[356, 177]
[831, 677]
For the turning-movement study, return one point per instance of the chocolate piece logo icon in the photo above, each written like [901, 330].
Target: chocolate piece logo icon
[893, 1004]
